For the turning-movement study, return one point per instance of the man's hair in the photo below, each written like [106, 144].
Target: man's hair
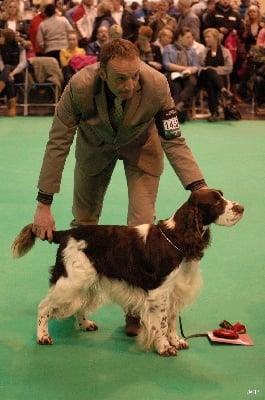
[117, 48]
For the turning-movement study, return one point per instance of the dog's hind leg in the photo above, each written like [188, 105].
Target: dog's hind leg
[91, 304]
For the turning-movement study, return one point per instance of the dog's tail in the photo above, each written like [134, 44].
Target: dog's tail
[25, 240]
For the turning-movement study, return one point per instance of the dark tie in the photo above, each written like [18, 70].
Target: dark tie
[116, 113]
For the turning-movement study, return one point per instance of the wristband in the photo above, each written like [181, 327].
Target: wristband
[44, 198]
[196, 185]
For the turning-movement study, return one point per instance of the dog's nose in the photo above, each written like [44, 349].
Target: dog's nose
[238, 208]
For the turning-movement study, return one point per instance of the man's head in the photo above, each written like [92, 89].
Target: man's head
[184, 37]
[184, 6]
[102, 34]
[120, 67]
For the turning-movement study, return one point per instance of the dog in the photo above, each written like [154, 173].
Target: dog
[151, 270]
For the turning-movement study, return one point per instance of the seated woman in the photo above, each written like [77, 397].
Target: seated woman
[12, 64]
[217, 64]
[149, 52]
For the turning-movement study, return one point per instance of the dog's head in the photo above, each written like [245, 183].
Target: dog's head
[214, 208]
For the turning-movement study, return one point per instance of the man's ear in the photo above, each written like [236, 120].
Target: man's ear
[102, 74]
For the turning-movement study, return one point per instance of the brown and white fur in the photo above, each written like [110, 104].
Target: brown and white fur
[151, 270]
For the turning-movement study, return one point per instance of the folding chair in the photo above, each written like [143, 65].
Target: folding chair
[41, 73]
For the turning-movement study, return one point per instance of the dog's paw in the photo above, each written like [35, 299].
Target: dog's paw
[45, 340]
[169, 351]
[183, 345]
[87, 325]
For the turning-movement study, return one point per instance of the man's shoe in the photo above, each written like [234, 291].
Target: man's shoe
[132, 326]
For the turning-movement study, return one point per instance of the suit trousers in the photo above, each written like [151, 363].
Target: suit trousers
[89, 193]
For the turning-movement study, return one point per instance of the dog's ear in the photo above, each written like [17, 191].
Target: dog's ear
[204, 196]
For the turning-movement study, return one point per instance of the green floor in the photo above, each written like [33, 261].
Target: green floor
[106, 364]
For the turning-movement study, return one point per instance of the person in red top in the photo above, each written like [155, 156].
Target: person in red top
[33, 29]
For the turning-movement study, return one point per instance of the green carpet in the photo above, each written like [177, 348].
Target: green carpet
[106, 364]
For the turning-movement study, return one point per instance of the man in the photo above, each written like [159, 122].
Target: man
[84, 17]
[187, 18]
[93, 48]
[126, 19]
[224, 19]
[86, 109]
[181, 62]
[161, 19]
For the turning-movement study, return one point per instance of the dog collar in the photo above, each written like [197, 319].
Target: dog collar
[169, 241]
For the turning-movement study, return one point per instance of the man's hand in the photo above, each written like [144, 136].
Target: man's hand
[43, 224]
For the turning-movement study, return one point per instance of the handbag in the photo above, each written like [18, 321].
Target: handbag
[231, 113]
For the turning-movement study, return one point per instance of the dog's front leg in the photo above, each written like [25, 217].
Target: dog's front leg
[44, 314]
[172, 335]
[158, 326]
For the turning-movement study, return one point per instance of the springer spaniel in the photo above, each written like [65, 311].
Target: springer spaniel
[150, 270]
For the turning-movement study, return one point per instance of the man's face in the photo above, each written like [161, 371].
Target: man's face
[187, 40]
[103, 34]
[122, 76]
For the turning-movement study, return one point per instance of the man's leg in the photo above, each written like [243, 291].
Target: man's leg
[89, 192]
[142, 193]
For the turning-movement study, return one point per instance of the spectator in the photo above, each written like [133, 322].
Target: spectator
[210, 6]
[228, 22]
[224, 19]
[34, 26]
[102, 37]
[67, 53]
[199, 7]
[161, 19]
[12, 64]
[261, 38]
[243, 8]
[217, 64]
[52, 33]
[139, 139]
[103, 17]
[125, 18]
[165, 37]
[149, 53]
[252, 26]
[14, 20]
[115, 32]
[187, 18]
[144, 12]
[181, 62]
[259, 73]
[84, 16]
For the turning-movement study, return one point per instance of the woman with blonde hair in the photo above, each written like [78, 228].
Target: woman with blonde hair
[115, 32]
[216, 66]
[252, 26]
[12, 19]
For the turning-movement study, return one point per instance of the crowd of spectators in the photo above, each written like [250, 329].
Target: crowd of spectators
[215, 45]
